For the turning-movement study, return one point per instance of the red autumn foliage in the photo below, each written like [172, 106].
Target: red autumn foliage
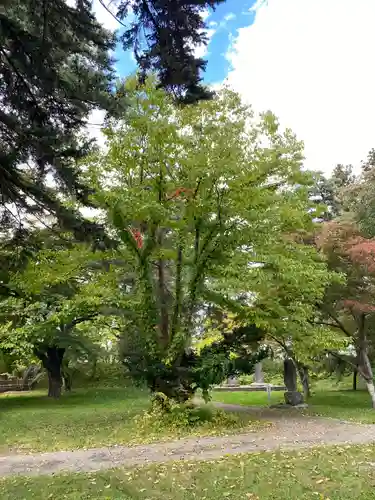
[333, 236]
[137, 235]
[181, 191]
[344, 240]
[362, 251]
[349, 252]
[358, 307]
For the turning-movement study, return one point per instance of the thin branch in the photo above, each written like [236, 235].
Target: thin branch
[196, 242]
[81, 320]
[281, 343]
[178, 290]
[336, 320]
[324, 323]
[112, 14]
[44, 23]
[15, 69]
[197, 188]
[333, 353]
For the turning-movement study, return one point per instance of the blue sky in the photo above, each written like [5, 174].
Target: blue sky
[229, 17]
[222, 24]
[308, 61]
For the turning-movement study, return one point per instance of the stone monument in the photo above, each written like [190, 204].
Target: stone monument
[292, 396]
[258, 375]
[232, 381]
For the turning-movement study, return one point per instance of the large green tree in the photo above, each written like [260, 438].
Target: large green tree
[204, 212]
[359, 197]
[334, 191]
[55, 68]
[58, 290]
[164, 35]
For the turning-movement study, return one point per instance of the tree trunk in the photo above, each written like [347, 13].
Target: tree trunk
[93, 372]
[303, 372]
[173, 389]
[290, 376]
[67, 381]
[52, 358]
[54, 386]
[355, 375]
[366, 373]
[371, 391]
[364, 365]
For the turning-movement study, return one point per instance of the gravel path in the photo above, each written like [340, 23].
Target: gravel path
[291, 430]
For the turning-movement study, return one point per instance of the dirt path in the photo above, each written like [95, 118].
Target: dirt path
[290, 431]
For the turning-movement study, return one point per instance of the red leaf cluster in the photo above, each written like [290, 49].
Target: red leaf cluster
[362, 251]
[355, 306]
[333, 236]
[344, 240]
[181, 191]
[349, 252]
[137, 235]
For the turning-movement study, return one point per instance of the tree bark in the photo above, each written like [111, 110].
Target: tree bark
[371, 391]
[52, 358]
[366, 373]
[54, 386]
[355, 376]
[67, 382]
[162, 295]
[290, 376]
[364, 365]
[303, 372]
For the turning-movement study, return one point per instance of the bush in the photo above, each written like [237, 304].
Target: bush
[193, 369]
[245, 379]
[273, 369]
[101, 373]
[165, 413]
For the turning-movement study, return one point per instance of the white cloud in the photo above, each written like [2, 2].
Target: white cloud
[201, 50]
[230, 16]
[205, 14]
[104, 17]
[257, 5]
[310, 62]
[94, 126]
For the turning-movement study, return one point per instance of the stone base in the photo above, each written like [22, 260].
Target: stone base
[284, 406]
[232, 382]
[293, 398]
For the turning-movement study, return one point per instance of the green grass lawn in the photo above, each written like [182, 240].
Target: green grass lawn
[247, 398]
[94, 417]
[327, 400]
[339, 473]
[98, 417]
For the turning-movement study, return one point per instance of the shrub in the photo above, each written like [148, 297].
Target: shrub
[180, 418]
